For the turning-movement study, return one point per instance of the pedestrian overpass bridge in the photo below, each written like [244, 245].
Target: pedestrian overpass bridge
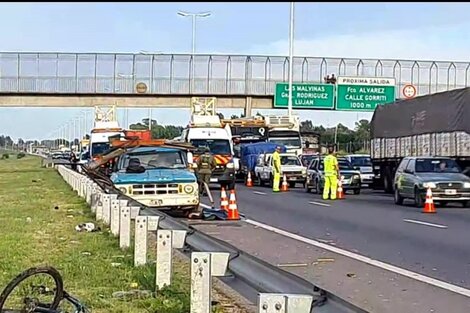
[170, 80]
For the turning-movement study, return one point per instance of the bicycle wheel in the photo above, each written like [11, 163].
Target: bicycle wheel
[50, 271]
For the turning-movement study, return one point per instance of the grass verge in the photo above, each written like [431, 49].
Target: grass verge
[34, 233]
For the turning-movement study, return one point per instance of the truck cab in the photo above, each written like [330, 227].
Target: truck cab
[206, 130]
[291, 166]
[220, 146]
[285, 131]
[158, 177]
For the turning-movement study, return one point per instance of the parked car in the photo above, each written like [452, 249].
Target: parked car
[350, 177]
[443, 175]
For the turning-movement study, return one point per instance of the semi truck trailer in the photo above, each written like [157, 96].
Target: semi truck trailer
[425, 126]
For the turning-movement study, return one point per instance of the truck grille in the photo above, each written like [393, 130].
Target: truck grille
[155, 189]
[450, 185]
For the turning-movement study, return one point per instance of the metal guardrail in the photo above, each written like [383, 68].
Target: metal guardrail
[245, 270]
[106, 73]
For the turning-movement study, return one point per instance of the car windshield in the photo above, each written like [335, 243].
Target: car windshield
[437, 166]
[99, 148]
[342, 163]
[361, 161]
[290, 160]
[216, 146]
[155, 160]
[306, 159]
[287, 142]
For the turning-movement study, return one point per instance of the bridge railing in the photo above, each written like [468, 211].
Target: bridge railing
[207, 74]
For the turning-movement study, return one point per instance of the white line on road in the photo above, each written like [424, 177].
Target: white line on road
[259, 193]
[424, 223]
[361, 258]
[319, 203]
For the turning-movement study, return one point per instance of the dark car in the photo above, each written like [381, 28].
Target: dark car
[350, 177]
[415, 175]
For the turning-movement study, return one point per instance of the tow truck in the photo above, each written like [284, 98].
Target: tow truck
[157, 173]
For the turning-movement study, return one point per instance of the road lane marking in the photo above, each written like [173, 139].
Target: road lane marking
[292, 265]
[259, 193]
[424, 223]
[361, 258]
[319, 203]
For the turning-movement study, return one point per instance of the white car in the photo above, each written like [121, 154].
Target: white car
[290, 166]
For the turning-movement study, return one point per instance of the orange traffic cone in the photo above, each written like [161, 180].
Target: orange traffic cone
[232, 207]
[429, 204]
[340, 193]
[223, 200]
[284, 184]
[249, 182]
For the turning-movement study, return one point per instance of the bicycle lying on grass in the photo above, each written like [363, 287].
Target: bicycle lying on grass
[27, 304]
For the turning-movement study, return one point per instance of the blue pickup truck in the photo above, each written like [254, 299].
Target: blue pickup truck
[158, 177]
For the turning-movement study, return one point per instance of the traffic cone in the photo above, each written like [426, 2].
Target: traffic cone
[249, 182]
[429, 204]
[340, 193]
[232, 207]
[284, 184]
[223, 200]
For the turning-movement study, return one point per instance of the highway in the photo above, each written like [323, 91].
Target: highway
[367, 225]
[372, 225]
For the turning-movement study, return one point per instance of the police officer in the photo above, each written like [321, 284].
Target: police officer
[205, 164]
[330, 164]
[276, 169]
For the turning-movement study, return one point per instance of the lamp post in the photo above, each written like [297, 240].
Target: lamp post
[193, 40]
[291, 58]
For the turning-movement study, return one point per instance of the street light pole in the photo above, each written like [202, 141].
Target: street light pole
[291, 58]
[193, 40]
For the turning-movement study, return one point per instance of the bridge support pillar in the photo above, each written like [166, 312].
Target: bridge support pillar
[248, 107]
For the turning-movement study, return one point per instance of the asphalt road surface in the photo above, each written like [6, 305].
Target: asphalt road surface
[371, 225]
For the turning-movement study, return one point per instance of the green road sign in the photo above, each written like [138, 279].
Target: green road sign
[305, 96]
[363, 93]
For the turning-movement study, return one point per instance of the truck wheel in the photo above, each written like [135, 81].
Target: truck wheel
[260, 181]
[387, 180]
[466, 204]
[357, 191]
[292, 185]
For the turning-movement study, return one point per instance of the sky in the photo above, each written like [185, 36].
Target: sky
[421, 31]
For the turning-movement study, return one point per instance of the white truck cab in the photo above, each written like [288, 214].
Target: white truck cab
[206, 130]
[99, 138]
[285, 131]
